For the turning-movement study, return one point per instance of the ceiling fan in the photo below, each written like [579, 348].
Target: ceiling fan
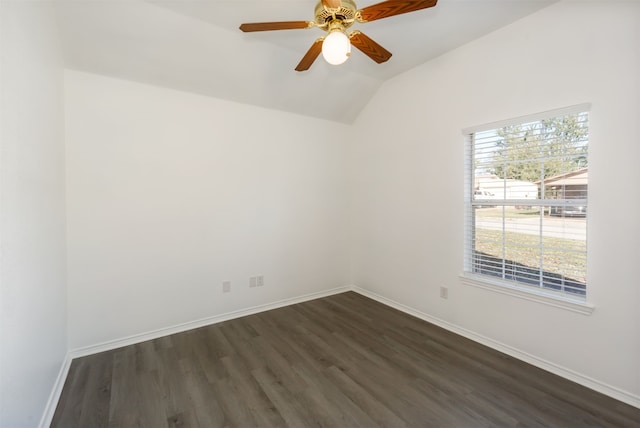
[334, 17]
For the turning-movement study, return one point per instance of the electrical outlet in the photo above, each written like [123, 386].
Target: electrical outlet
[444, 292]
[226, 286]
[260, 281]
[253, 281]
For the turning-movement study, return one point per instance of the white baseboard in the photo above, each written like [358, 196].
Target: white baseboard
[54, 397]
[142, 337]
[596, 385]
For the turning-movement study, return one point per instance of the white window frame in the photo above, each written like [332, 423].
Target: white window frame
[498, 285]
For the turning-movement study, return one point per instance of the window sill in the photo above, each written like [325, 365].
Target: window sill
[530, 294]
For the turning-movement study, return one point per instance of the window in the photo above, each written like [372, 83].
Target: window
[526, 204]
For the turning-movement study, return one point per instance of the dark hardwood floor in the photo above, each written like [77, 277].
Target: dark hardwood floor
[340, 361]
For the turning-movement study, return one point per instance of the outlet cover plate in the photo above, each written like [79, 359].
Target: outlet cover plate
[444, 292]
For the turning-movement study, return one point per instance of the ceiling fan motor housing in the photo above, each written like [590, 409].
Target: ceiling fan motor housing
[345, 13]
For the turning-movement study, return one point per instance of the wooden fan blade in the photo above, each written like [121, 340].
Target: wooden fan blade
[392, 8]
[332, 4]
[311, 55]
[270, 26]
[370, 48]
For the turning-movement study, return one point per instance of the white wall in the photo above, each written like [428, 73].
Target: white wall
[408, 182]
[33, 340]
[169, 194]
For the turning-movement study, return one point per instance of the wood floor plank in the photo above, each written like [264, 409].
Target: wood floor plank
[333, 399]
[72, 393]
[288, 403]
[151, 410]
[97, 393]
[339, 361]
[262, 410]
[124, 407]
[235, 413]
[377, 410]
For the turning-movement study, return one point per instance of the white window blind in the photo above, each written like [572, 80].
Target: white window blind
[526, 202]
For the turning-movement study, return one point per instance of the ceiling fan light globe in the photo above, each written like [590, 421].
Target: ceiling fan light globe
[336, 48]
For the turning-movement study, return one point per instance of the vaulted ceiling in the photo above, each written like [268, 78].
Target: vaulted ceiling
[196, 46]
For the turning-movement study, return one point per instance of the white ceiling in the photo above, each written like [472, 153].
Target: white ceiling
[196, 46]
